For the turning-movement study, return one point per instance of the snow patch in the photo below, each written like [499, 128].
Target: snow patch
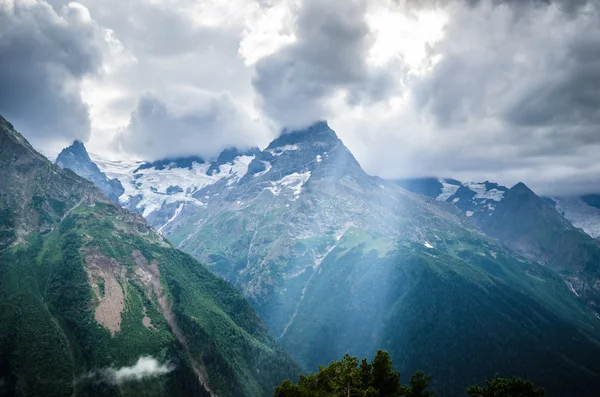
[293, 182]
[267, 169]
[121, 170]
[235, 171]
[177, 211]
[278, 151]
[571, 287]
[319, 158]
[153, 184]
[482, 193]
[448, 190]
[469, 213]
[427, 244]
[580, 214]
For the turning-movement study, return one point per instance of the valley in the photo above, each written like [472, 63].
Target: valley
[335, 260]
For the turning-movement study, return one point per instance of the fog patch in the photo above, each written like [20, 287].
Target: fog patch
[146, 367]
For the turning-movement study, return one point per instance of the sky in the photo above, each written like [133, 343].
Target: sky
[476, 90]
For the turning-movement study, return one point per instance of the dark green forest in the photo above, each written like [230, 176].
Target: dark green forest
[350, 377]
[65, 249]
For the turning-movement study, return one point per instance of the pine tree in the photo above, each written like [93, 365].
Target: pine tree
[504, 387]
[345, 378]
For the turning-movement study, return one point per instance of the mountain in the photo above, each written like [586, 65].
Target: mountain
[337, 261]
[94, 302]
[432, 187]
[158, 190]
[76, 158]
[531, 226]
[582, 211]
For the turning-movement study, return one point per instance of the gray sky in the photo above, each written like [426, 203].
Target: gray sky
[502, 90]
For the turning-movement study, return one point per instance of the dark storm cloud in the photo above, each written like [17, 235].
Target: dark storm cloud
[44, 56]
[534, 68]
[565, 5]
[511, 90]
[190, 122]
[146, 27]
[332, 41]
[513, 94]
[568, 92]
[179, 55]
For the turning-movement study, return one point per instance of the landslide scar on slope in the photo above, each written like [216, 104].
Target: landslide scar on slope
[112, 301]
[149, 275]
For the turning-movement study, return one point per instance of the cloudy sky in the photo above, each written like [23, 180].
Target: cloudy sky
[501, 90]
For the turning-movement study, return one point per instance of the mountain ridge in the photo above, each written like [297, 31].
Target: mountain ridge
[88, 286]
[336, 261]
[532, 226]
[77, 159]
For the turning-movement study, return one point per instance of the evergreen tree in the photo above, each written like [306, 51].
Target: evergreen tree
[504, 387]
[385, 379]
[345, 378]
[418, 385]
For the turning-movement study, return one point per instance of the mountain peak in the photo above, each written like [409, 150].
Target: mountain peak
[317, 132]
[316, 126]
[77, 159]
[5, 122]
[76, 149]
[15, 144]
[521, 188]
[228, 155]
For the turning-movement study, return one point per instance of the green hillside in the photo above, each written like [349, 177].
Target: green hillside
[87, 288]
[350, 263]
[461, 317]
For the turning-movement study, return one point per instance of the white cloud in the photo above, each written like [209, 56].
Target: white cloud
[145, 367]
[187, 121]
[45, 56]
[267, 30]
[484, 89]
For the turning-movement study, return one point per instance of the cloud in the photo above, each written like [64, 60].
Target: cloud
[476, 89]
[45, 56]
[515, 70]
[512, 94]
[187, 122]
[145, 367]
[328, 58]
[199, 52]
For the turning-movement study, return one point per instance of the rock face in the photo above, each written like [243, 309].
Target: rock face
[536, 227]
[337, 261]
[87, 287]
[76, 158]
[582, 211]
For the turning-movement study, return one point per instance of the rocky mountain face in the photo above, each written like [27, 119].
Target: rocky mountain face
[582, 211]
[94, 302]
[76, 158]
[337, 261]
[531, 226]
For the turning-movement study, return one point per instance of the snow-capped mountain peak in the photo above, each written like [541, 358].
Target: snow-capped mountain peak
[77, 159]
[165, 184]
